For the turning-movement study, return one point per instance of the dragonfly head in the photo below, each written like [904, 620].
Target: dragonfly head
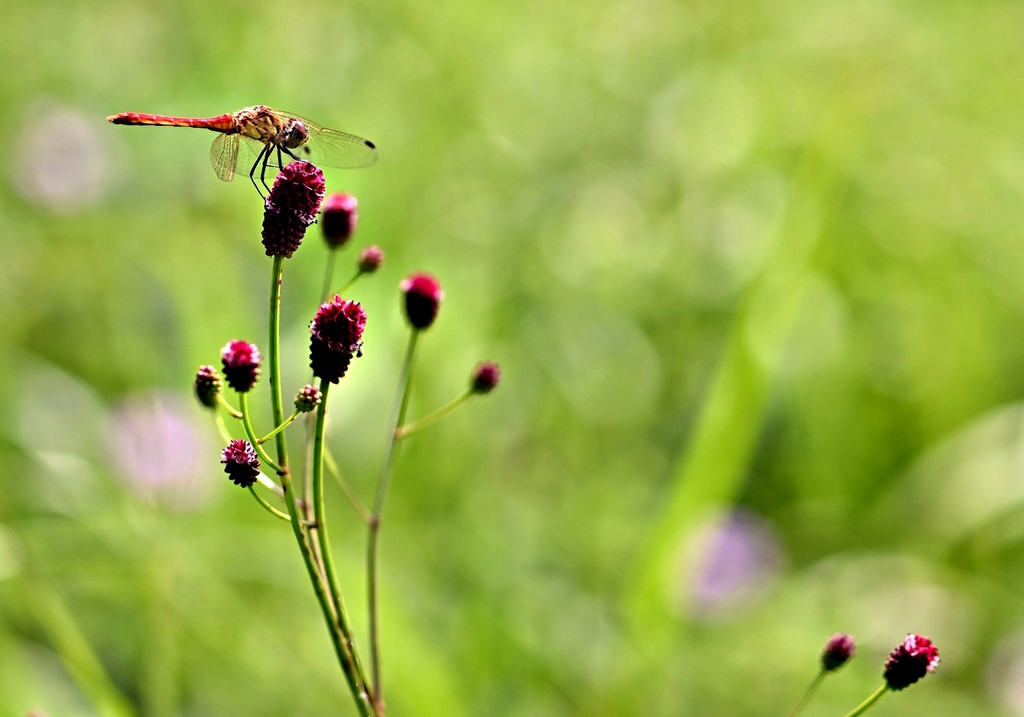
[294, 134]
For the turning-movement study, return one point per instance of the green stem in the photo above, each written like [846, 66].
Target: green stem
[404, 382]
[350, 283]
[271, 509]
[243, 401]
[808, 694]
[432, 418]
[353, 499]
[357, 686]
[875, 696]
[280, 428]
[332, 259]
[221, 427]
[232, 411]
[320, 521]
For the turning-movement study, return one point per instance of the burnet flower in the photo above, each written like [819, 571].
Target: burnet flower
[838, 651]
[291, 207]
[308, 399]
[370, 259]
[912, 659]
[485, 377]
[339, 218]
[208, 386]
[423, 295]
[241, 363]
[241, 463]
[335, 337]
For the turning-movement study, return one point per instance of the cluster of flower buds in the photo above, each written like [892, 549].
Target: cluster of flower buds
[914, 658]
[308, 399]
[241, 363]
[291, 207]
[423, 297]
[241, 463]
[208, 386]
[335, 337]
[338, 219]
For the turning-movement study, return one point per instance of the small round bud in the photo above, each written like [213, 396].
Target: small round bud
[208, 386]
[291, 207]
[838, 650]
[241, 363]
[335, 337]
[241, 463]
[485, 377]
[423, 297]
[370, 259]
[914, 658]
[338, 219]
[308, 399]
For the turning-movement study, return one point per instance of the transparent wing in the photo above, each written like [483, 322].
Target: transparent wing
[332, 148]
[224, 156]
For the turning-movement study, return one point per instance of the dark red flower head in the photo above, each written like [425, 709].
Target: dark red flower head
[910, 661]
[241, 463]
[241, 362]
[308, 399]
[208, 386]
[335, 337]
[838, 650]
[485, 377]
[338, 220]
[423, 297]
[291, 207]
[370, 259]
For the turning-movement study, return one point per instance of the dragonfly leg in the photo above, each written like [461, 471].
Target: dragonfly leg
[252, 171]
[263, 171]
[280, 164]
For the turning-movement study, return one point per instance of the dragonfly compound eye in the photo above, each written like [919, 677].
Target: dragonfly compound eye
[296, 134]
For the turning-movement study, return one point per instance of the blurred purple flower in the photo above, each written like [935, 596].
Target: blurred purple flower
[735, 563]
[158, 453]
[63, 162]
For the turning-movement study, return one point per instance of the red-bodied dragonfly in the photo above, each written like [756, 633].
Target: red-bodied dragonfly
[269, 137]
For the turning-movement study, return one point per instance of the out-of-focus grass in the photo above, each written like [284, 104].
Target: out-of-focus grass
[760, 255]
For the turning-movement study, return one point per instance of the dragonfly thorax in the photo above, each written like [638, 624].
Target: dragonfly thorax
[294, 134]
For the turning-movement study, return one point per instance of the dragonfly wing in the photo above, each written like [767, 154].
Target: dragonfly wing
[224, 156]
[332, 148]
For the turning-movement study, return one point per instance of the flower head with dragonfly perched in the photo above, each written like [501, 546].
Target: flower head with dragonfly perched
[267, 137]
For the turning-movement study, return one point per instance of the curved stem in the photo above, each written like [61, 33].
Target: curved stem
[353, 499]
[432, 418]
[217, 419]
[404, 382]
[321, 524]
[232, 411]
[288, 422]
[357, 686]
[808, 694]
[271, 509]
[243, 401]
[350, 283]
[875, 696]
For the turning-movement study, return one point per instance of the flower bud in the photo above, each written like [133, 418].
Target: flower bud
[241, 362]
[241, 463]
[485, 377]
[838, 650]
[335, 337]
[208, 386]
[370, 259]
[308, 399]
[423, 297]
[910, 661]
[338, 219]
[291, 207]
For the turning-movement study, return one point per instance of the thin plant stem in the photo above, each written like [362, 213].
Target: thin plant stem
[432, 418]
[271, 509]
[365, 703]
[353, 499]
[320, 521]
[268, 483]
[808, 694]
[402, 404]
[232, 411]
[866, 704]
[219, 420]
[350, 283]
[332, 259]
[287, 422]
[243, 401]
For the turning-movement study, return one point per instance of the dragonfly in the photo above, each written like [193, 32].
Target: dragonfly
[269, 137]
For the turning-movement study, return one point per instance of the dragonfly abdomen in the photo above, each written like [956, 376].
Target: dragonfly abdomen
[220, 123]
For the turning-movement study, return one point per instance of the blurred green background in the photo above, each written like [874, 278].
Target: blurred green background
[752, 270]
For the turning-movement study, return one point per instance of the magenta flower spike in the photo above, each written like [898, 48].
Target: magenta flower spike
[485, 377]
[338, 219]
[914, 658]
[291, 207]
[370, 259]
[241, 363]
[208, 386]
[335, 337]
[838, 651]
[423, 295]
[241, 463]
